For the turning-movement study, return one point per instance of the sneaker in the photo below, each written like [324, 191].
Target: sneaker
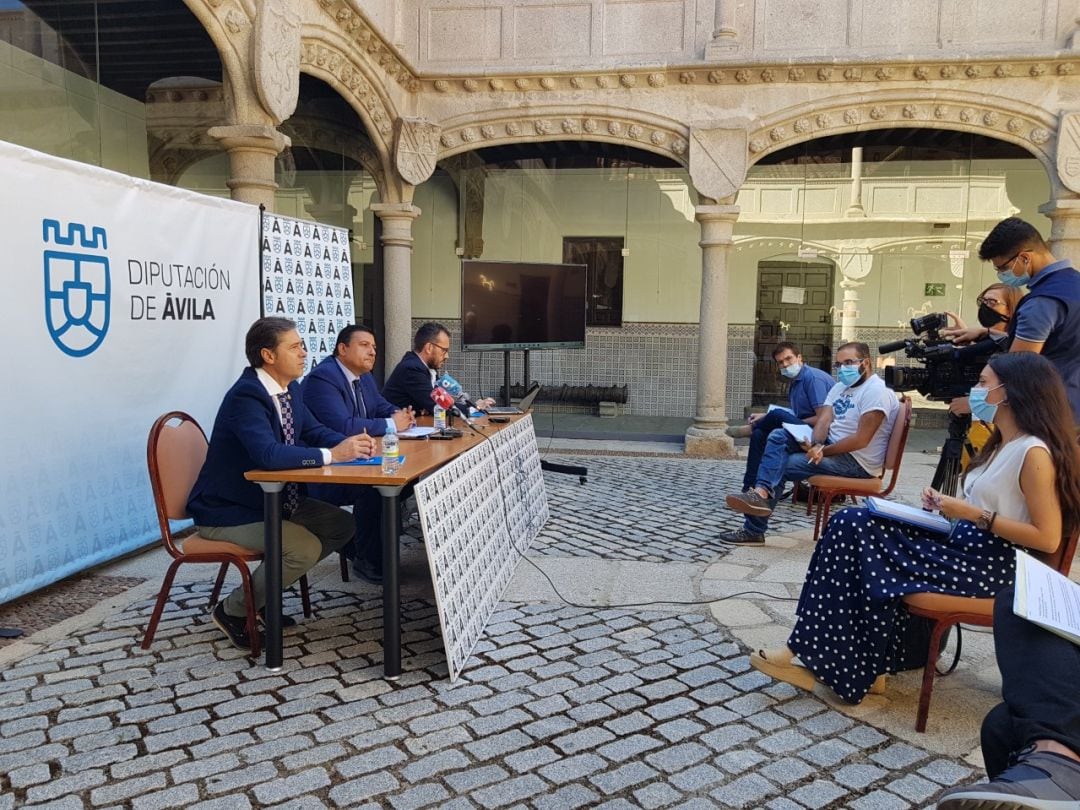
[369, 573]
[286, 620]
[739, 431]
[749, 503]
[235, 629]
[1039, 780]
[741, 537]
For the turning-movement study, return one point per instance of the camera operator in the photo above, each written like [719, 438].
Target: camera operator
[997, 303]
[1047, 319]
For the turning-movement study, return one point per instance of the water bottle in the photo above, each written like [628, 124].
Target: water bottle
[440, 417]
[391, 454]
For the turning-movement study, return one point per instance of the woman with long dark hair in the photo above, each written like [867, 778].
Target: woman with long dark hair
[1023, 489]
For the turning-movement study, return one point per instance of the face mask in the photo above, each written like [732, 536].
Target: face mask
[990, 317]
[792, 371]
[980, 408]
[849, 375]
[1007, 278]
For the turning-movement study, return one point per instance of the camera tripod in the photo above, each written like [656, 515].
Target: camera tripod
[950, 465]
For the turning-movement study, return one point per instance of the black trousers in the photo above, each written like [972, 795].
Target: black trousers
[1040, 686]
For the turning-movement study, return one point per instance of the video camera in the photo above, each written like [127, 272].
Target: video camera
[948, 371]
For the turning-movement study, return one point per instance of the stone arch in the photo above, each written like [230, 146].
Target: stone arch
[651, 133]
[1029, 127]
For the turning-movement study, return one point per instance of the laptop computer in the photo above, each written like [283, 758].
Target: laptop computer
[522, 407]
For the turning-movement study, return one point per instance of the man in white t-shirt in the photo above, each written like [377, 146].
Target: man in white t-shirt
[850, 439]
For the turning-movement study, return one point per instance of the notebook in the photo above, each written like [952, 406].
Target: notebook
[522, 407]
[911, 515]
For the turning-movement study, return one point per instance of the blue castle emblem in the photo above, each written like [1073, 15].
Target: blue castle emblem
[77, 287]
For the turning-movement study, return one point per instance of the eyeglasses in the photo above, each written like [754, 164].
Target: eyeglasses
[1001, 268]
[846, 364]
[990, 302]
[444, 349]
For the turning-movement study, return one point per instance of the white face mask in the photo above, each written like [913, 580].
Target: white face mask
[792, 371]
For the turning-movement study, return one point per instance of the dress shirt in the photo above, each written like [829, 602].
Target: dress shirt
[273, 389]
[391, 427]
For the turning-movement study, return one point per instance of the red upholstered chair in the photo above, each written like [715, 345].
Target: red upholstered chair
[175, 453]
[945, 611]
[823, 488]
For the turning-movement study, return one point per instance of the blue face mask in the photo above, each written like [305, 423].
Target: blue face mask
[792, 371]
[980, 408]
[849, 375]
[1007, 278]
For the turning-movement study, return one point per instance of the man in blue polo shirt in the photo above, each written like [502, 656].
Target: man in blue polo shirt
[1047, 320]
[807, 390]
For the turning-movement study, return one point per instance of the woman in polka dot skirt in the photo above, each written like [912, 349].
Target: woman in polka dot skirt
[1023, 489]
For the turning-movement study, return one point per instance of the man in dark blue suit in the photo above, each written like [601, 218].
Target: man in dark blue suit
[341, 392]
[413, 378]
[263, 423]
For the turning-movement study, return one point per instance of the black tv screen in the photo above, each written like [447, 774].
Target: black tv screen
[516, 305]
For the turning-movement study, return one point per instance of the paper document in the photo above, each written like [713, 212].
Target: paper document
[1047, 598]
[417, 432]
[802, 433]
[780, 408]
[911, 515]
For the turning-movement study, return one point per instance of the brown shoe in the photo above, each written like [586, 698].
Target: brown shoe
[749, 503]
[739, 431]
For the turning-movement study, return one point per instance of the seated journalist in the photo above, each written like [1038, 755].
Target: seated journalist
[1021, 490]
[341, 393]
[263, 423]
[807, 390]
[850, 438]
[412, 380]
[1031, 741]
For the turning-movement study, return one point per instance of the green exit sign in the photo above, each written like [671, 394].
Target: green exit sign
[932, 290]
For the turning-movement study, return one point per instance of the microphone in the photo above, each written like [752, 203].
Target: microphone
[441, 397]
[453, 387]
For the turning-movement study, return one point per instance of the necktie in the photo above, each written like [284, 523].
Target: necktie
[292, 491]
[361, 409]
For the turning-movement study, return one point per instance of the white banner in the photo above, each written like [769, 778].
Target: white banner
[307, 277]
[125, 299]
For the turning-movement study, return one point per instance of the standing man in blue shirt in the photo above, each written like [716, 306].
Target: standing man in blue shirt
[1047, 320]
[807, 390]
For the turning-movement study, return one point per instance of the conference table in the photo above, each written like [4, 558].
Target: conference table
[422, 456]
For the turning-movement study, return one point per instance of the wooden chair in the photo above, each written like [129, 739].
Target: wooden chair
[174, 455]
[823, 488]
[945, 610]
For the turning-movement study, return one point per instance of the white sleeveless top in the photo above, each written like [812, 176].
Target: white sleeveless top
[996, 486]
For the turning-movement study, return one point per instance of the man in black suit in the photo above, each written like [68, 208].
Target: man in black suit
[412, 380]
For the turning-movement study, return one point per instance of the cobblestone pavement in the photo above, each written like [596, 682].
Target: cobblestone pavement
[561, 707]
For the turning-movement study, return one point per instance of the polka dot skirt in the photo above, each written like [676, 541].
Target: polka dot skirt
[849, 613]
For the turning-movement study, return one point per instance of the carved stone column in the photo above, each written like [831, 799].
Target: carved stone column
[706, 437]
[252, 149]
[397, 240]
[1064, 214]
[725, 37]
[855, 206]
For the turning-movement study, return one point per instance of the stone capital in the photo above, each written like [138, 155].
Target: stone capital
[252, 149]
[718, 160]
[397, 220]
[252, 137]
[717, 224]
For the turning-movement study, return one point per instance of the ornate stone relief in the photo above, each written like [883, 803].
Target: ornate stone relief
[1007, 125]
[717, 160]
[277, 57]
[657, 80]
[668, 140]
[1068, 151]
[326, 59]
[416, 148]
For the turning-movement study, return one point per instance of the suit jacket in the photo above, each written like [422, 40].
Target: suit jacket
[247, 436]
[329, 395]
[410, 384]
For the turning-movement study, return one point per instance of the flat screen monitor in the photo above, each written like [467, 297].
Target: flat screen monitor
[517, 305]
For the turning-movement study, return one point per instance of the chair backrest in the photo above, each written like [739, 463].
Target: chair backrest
[898, 437]
[1061, 558]
[174, 455]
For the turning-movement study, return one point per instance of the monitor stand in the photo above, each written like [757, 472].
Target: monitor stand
[549, 466]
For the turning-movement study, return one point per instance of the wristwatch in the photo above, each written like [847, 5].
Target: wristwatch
[985, 520]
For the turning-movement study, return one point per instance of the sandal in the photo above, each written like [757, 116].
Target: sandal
[878, 686]
[794, 674]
